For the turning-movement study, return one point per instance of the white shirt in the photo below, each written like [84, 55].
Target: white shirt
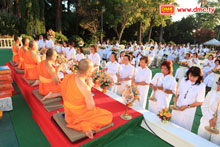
[189, 93]
[169, 83]
[49, 44]
[158, 53]
[41, 44]
[126, 71]
[71, 54]
[150, 53]
[58, 49]
[79, 57]
[143, 75]
[195, 60]
[209, 107]
[113, 68]
[95, 58]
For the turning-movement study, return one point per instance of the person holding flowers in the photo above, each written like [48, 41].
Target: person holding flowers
[94, 57]
[191, 94]
[164, 86]
[142, 79]
[211, 112]
[209, 79]
[125, 74]
[112, 68]
[207, 65]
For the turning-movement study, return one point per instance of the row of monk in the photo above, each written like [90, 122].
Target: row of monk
[80, 110]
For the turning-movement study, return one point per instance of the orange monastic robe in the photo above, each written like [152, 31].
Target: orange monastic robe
[46, 83]
[21, 55]
[30, 69]
[77, 115]
[15, 57]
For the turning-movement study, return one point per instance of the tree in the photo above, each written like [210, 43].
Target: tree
[32, 20]
[204, 34]
[121, 14]
[58, 8]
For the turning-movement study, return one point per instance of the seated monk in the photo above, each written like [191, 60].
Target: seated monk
[48, 76]
[80, 111]
[31, 60]
[22, 52]
[15, 49]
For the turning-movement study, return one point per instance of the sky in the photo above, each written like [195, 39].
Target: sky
[185, 4]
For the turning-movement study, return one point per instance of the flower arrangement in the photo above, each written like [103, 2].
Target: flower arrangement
[73, 66]
[130, 94]
[43, 51]
[105, 81]
[115, 50]
[95, 78]
[216, 70]
[184, 63]
[61, 59]
[164, 115]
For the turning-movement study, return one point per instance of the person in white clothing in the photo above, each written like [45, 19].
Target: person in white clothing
[179, 73]
[71, 53]
[59, 48]
[209, 108]
[64, 48]
[94, 57]
[151, 54]
[80, 54]
[207, 65]
[195, 60]
[191, 94]
[120, 60]
[142, 79]
[164, 86]
[158, 56]
[125, 74]
[49, 43]
[112, 68]
[41, 43]
[209, 79]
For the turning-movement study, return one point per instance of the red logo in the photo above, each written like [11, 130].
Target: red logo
[167, 9]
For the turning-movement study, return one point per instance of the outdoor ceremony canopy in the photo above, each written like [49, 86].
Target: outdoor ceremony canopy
[213, 42]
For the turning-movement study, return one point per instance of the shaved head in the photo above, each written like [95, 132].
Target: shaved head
[84, 65]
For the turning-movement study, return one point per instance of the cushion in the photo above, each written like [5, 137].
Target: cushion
[19, 70]
[72, 134]
[12, 63]
[29, 82]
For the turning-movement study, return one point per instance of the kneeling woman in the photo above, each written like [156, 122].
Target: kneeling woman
[164, 86]
[209, 108]
[80, 111]
[191, 93]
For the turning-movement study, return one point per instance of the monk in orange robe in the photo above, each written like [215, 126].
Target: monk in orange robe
[15, 49]
[49, 81]
[31, 60]
[80, 111]
[22, 52]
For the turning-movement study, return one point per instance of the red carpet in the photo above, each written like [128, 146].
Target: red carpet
[50, 129]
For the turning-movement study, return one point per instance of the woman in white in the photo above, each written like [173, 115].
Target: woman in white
[164, 85]
[80, 54]
[210, 77]
[125, 75]
[71, 53]
[112, 68]
[58, 48]
[207, 65]
[180, 73]
[191, 93]
[195, 60]
[142, 79]
[94, 57]
[120, 60]
[64, 48]
[208, 110]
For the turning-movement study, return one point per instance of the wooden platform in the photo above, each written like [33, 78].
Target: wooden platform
[29, 82]
[72, 134]
[19, 70]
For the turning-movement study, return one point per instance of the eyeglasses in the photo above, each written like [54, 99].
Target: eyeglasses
[218, 83]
